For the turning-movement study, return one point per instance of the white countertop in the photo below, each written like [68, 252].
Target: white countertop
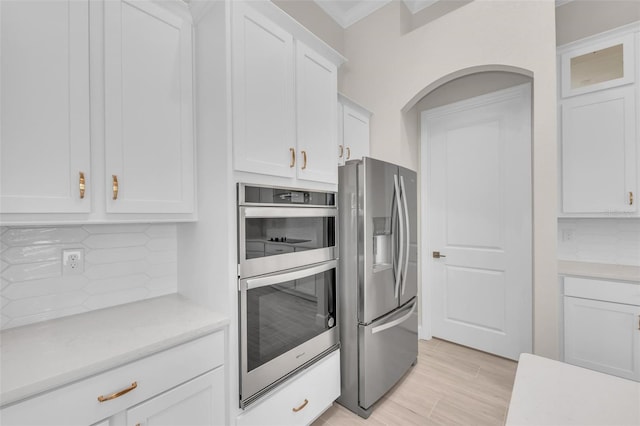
[42, 356]
[599, 270]
[548, 392]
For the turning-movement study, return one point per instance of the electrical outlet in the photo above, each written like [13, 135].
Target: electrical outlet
[72, 261]
[567, 235]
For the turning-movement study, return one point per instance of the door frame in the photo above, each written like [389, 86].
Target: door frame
[425, 330]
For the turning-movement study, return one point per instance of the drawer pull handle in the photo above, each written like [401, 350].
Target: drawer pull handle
[341, 151]
[348, 153]
[304, 160]
[118, 394]
[293, 157]
[304, 404]
[630, 198]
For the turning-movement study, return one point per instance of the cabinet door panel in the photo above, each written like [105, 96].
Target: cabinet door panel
[602, 336]
[356, 134]
[45, 106]
[263, 130]
[198, 402]
[316, 87]
[599, 152]
[148, 95]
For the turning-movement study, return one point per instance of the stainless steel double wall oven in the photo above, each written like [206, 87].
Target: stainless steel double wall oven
[287, 268]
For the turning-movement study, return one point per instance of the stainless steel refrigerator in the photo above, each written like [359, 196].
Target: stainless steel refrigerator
[377, 305]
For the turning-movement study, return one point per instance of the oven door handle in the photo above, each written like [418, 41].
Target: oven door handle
[252, 283]
[287, 212]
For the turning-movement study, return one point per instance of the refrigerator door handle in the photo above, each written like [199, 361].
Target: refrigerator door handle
[407, 239]
[395, 322]
[401, 234]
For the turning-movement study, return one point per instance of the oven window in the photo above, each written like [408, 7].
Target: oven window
[285, 315]
[272, 236]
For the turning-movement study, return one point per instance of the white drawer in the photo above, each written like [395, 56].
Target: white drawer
[318, 387]
[77, 403]
[610, 291]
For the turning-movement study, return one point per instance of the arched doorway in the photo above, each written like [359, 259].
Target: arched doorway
[477, 210]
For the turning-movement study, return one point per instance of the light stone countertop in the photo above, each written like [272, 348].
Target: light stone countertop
[548, 392]
[43, 356]
[599, 270]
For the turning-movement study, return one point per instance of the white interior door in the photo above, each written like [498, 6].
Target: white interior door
[476, 161]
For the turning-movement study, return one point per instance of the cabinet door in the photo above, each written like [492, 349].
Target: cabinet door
[316, 89]
[44, 119]
[598, 65]
[263, 97]
[356, 134]
[599, 152]
[200, 401]
[602, 336]
[149, 108]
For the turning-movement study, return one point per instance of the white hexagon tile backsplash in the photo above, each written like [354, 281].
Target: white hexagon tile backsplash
[122, 263]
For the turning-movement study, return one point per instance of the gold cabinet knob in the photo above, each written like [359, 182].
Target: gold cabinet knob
[81, 185]
[115, 186]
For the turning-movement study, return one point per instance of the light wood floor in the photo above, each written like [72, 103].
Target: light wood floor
[450, 385]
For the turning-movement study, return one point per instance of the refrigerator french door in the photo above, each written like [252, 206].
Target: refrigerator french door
[378, 306]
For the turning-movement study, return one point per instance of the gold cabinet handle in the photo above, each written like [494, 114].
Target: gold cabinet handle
[304, 404]
[630, 198]
[115, 186]
[341, 151]
[348, 153]
[81, 185]
[118, 394]
[293, 157]
[304, 160]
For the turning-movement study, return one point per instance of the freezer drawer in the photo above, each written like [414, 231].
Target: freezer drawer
[388, 347]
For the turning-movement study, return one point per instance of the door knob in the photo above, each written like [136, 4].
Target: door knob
[437, 255]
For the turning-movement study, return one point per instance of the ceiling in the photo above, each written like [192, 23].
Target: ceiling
[348, 12]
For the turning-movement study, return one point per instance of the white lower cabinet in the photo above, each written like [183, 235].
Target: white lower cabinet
[198, 402]
[600, 333]
[183, 385]
[300, 400]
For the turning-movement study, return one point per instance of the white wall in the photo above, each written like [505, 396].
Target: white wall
[578, 19]
[389, 70]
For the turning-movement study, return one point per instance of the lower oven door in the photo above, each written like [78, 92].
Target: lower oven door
[286, 321]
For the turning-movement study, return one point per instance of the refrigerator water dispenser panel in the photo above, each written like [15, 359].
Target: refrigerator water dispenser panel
[381, 243]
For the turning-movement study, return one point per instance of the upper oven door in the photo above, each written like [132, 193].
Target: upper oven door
[273, 239]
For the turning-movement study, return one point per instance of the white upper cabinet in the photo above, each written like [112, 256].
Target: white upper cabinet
[45, 140]
[599, 152]
[263, 95]
[316, 88]
[284, 91]
[97, 112]
[599, 155]
[149, 109]
[599, 65]
[353, 138]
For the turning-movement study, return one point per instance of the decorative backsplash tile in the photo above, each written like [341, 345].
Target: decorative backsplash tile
[615, 241]
[122, 263]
